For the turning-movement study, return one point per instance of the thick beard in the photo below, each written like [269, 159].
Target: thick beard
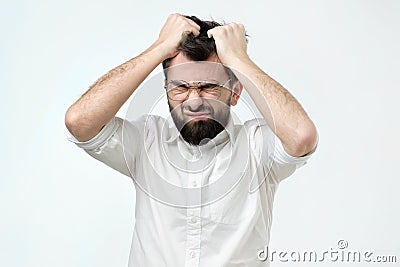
[201, 131]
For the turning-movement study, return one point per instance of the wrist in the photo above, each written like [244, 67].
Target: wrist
[239, 63]
[162, 49]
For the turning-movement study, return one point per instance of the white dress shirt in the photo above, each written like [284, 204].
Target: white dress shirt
[207, 205]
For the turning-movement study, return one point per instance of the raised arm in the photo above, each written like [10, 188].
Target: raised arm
[86, 117]
[280, 109]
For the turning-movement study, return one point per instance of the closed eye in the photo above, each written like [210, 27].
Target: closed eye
[177, 83]
[208, 86]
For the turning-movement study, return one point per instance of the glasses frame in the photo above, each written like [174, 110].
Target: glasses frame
[195, 86]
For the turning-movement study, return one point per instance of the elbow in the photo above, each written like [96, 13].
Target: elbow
[308, 139]
[75, 125]
[71, 121]
[305, 141]
[81, 126]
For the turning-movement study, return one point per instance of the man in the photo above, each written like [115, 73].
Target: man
[205, 186]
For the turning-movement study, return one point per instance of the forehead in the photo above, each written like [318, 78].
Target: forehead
[183, 69]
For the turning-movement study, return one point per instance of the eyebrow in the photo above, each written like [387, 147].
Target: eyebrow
[202, 83]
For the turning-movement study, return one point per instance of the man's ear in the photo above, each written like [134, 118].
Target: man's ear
[236, 91]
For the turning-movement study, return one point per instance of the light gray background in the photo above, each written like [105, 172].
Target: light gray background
[59, 207]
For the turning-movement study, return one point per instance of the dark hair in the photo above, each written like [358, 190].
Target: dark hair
[200, 47]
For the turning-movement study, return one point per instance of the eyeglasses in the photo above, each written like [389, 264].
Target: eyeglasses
[179, 90]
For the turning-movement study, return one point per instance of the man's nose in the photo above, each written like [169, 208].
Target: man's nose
[194, 100]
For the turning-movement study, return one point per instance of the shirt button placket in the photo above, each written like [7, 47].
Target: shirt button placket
[193, 224]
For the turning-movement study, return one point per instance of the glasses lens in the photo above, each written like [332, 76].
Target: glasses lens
[179, 90]
[177, 93]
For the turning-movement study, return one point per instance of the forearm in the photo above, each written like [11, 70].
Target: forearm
[85, 118]
[282, 112]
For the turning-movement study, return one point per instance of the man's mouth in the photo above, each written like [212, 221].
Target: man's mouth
[197, 115]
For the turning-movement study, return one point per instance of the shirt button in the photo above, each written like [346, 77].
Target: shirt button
[194, 184]
[193, 219]
[192, 254]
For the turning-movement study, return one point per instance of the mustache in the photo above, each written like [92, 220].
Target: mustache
[202, 108]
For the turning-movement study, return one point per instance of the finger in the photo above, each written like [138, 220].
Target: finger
[194, 31]
[210, 33]
[194, 28]
[193, 24]
[189, 31]
[214, 31]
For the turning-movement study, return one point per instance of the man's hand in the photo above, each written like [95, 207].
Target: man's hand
[174, 29]
[230, 41]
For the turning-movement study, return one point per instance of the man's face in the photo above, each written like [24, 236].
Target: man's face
[199, 114]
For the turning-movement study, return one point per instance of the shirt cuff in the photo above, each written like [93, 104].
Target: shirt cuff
[100, 139]
[281, 156]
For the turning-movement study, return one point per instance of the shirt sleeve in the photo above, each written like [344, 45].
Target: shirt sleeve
[117, 143]
[277, 163]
